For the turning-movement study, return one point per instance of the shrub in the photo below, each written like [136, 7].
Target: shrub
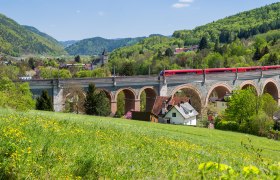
[203, 123]
[274, 134]
[260, 124]
[227, 125]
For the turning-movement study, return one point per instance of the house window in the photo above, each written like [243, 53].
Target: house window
[173, 114]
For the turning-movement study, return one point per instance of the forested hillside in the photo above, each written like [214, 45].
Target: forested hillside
[246, 39]
[95, 46]
[17, 40]
[66, 44]
[36, 31]
[241, 25]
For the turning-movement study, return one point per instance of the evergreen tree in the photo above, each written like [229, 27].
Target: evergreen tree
[31, 63]
[265, 51]
[78, 59]
[103, 106]
[272, 59]
[90, 101]
[203, 44]
[169, 52]
[217, 46]
[258, 55]
[96, 102]
[44, 102]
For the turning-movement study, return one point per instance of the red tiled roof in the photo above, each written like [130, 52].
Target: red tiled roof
[158, 105]
[177, 100]
[170, 102]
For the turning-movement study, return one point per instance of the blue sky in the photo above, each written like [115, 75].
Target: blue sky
[79, 19]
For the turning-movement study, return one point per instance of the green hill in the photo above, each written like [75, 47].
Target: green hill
[95, 46]
[255, 21]
[235, 41]
[17, 40]
[66, 44]
[36, 31]
[38, 145]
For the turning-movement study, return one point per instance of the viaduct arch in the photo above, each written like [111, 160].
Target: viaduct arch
[218, 90]
[250, 84]
[202, 87]
[151, 94]
[270, 86]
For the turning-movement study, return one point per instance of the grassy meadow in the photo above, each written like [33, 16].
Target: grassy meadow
[45, 145]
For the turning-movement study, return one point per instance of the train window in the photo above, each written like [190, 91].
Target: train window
[180, 73]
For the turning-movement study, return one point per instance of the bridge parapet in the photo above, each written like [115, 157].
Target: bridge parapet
[262, 81]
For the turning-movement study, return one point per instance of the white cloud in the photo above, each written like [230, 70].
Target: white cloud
[180, 5]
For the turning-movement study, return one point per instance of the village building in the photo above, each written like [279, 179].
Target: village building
[181, 50]
[161, 109]
[101, 61]
[183, 113]
[220, 103]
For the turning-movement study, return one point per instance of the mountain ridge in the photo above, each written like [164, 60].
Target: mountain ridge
[18, 40]
[96, 45]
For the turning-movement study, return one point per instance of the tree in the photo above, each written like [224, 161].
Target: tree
[214, 60]
[15, 95]
[44, 102]
[224, 37]
[260, 124]
[120, 104]
[169, 52]
[103, 106]
[272, 59]
[31, 63]
[78, 59]
[75, 98]
[96, 102]
[217, 46]
[257, 55]
[203, 44]
[128, 69]
[11, 72]
[243, 104]
[265, 51]
[269, 105]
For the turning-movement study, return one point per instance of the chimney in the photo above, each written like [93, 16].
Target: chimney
[164, 107]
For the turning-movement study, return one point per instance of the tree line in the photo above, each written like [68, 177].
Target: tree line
[248, 113]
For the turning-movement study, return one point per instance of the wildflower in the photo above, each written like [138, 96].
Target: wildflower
[250, 170]
[29, 150]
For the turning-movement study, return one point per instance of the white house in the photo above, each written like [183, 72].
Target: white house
[182, 114]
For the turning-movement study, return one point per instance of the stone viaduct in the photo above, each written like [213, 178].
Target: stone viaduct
[203, 86]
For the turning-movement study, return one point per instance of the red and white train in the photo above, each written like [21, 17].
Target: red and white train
[217, 70]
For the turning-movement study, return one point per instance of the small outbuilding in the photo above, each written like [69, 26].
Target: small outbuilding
[182, 113]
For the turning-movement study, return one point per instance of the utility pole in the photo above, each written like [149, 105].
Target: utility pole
[114, 76]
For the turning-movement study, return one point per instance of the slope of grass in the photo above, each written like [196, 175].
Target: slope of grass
[55, 145]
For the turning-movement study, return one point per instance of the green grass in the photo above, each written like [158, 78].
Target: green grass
[48, 145]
